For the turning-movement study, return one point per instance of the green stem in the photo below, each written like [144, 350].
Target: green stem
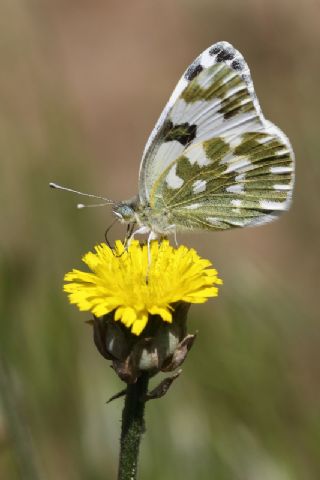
[133, 427]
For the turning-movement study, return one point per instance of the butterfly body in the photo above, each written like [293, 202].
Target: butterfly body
[212, 162]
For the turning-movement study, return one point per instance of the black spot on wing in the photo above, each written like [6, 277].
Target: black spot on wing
[223, 52]
[215, 49]
[193, 71]
[237, 64]
[224, 55]
[183, 132]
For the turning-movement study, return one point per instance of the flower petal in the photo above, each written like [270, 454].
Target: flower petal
[164, 313]
[140, 323]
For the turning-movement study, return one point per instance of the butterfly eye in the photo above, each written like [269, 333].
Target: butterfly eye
[124, 212]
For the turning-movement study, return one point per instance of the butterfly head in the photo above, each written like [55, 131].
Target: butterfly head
[126, 211]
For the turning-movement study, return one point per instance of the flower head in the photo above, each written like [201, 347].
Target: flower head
[134, 283]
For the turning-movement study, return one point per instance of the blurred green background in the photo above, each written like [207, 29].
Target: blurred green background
[82, 83]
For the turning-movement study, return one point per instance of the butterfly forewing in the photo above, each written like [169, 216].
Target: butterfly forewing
[213, 161]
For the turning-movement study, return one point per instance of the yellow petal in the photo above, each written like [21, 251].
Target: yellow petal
[163, 312]
[139, 324]
[128, 316]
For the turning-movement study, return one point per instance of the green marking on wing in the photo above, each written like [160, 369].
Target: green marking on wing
[235, 104]
[216, 148]
[189, 172]
[220, 79]
[220, 82]
[222, 219]
[253, 147]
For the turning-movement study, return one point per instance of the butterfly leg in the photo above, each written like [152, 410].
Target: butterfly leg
[175, 237]
[172, 229]
[130, 229]
[139, 231]
[152, 236]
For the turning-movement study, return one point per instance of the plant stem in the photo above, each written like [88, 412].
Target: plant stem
[133, 427]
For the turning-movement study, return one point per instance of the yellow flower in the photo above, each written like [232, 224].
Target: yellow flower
[132, 285]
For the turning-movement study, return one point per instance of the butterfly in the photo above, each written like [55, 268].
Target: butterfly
[213, 161]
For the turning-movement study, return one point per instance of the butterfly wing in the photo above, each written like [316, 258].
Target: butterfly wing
[213, 161]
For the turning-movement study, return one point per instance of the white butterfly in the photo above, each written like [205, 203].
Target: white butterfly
[213, 161]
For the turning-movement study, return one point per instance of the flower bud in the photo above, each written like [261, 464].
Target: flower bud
[161, 346]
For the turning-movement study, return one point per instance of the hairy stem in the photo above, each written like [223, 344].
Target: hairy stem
[133, 427]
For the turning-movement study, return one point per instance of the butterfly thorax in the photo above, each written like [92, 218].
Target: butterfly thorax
[134, 212]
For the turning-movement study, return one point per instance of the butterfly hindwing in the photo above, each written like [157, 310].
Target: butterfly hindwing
[241, 185]
[213, 161]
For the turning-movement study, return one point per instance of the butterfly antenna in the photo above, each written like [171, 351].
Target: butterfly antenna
[107, 201]
[82, 205]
